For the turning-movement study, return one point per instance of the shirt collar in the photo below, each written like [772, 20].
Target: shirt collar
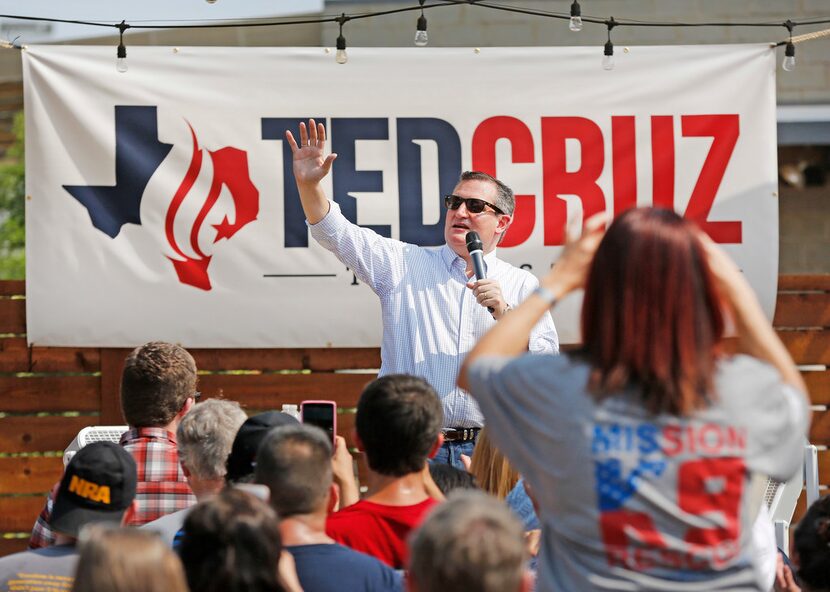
[148, 433]
[449, 256]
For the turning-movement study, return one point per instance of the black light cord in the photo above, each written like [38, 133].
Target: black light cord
[493, 6]
[789, 24]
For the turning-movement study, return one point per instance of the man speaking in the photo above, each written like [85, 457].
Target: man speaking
[434, 310]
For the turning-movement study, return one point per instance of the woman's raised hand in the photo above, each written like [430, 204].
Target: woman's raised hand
[570, 271]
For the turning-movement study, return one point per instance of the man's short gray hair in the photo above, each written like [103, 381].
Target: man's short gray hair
[470, 542]
[205, 436]
[505, 200]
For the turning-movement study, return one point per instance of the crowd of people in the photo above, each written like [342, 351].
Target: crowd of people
[624, 465]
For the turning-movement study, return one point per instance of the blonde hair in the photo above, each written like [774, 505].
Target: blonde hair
[470, 542]
[126, 560]
[493, 472]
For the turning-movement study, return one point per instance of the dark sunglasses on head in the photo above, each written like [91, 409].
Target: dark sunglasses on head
[474, 205]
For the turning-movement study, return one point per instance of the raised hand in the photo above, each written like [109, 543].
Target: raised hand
[570, 272]
[342, 465]
[310, 166]
[756, 336]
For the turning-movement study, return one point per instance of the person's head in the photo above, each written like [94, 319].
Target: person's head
[651, 315]
[470, 542]
[811, 547]
[492, 470]
[158, 383]
[398, 424]
[242, 458]
[126, 560]
[294, 462]
[449, 478]
[490, 222]
[98, 485]
[204, 439]
[231, 543]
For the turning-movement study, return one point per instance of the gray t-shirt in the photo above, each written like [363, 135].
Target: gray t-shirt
[633, 501]
[169, 525]
[42, 570]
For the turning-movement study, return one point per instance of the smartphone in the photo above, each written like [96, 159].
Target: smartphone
[322, 414]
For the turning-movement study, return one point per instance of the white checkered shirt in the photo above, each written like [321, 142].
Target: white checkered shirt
[430, 318]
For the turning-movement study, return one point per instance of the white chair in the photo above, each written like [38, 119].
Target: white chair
[781, 498]
[93, 434]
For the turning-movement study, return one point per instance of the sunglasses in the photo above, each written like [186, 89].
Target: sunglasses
[474, 205]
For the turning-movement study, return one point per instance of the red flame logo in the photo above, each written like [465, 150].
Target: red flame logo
[230, 169]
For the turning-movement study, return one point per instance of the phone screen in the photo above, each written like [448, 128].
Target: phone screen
[320, 415]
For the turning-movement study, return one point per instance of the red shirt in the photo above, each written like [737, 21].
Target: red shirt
[377, 529]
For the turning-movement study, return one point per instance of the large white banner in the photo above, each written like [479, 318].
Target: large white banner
[161, 203]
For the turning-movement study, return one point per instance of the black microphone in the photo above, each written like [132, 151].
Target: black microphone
[476, 250]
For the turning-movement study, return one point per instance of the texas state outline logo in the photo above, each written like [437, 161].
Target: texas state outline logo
[138, 154]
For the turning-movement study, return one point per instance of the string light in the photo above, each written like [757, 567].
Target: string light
[258, 22]
[421, 38]
[608, 54]
[341, 57]
[121, 52]
[789, 50]
[576, 17]
[575, 24]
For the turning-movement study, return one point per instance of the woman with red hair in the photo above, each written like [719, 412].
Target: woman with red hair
[640, 447]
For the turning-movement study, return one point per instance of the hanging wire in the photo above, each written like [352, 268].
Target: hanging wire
[260, 22]
[421, 37]
[789, 52]
[341, 57]
[121, 52]
[608, 52]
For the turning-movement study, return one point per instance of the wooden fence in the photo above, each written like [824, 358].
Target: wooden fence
[48, 394]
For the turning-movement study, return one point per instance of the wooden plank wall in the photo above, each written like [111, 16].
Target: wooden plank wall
[48, 394]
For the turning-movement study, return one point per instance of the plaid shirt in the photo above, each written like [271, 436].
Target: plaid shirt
[162, 488]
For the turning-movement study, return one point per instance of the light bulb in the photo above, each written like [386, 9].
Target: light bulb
[121, 62]
[341, 57]
[576, 17]
[608, 57]
[789, 57]
[421, 37]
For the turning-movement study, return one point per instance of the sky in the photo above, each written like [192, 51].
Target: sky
[134, 12]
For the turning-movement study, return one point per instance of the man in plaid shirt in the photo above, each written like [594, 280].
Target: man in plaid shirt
[158, 386]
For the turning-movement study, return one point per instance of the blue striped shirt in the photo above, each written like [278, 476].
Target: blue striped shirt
[430, 318]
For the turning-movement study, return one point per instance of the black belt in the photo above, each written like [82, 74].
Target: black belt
[460, 434]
